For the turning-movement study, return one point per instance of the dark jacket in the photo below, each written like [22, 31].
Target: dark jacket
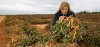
[58, 14]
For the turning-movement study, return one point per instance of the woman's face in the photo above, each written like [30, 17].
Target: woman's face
[64, 10]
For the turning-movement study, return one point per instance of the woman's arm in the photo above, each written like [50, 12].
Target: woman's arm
[56, 17]
[73, 14]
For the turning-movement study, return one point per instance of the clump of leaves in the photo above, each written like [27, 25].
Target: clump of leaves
[67, 30]
[31, 38]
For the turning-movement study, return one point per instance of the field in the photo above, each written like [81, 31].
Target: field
[34, 30]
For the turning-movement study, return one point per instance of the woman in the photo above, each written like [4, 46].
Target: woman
[63, 12]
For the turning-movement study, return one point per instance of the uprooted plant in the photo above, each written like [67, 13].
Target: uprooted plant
[69, 30]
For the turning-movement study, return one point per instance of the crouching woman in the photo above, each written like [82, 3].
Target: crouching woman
[63, 12]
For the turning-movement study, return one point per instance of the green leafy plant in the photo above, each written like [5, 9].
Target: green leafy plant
[67, 30]
[33, 37]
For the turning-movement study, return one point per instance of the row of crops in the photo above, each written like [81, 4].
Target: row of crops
[69, 32]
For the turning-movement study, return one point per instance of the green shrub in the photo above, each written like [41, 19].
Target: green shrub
[32, 38]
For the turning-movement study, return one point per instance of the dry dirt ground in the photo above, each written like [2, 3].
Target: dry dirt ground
[3, 35]
[41, 28]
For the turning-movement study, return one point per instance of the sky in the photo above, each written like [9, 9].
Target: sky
[46, 6]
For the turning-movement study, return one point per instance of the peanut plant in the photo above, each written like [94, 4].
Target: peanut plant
[68, 30]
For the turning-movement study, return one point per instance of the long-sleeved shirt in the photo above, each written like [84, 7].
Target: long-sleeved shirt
[58, 14]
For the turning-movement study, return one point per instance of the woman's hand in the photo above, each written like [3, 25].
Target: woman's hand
[62, 18]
